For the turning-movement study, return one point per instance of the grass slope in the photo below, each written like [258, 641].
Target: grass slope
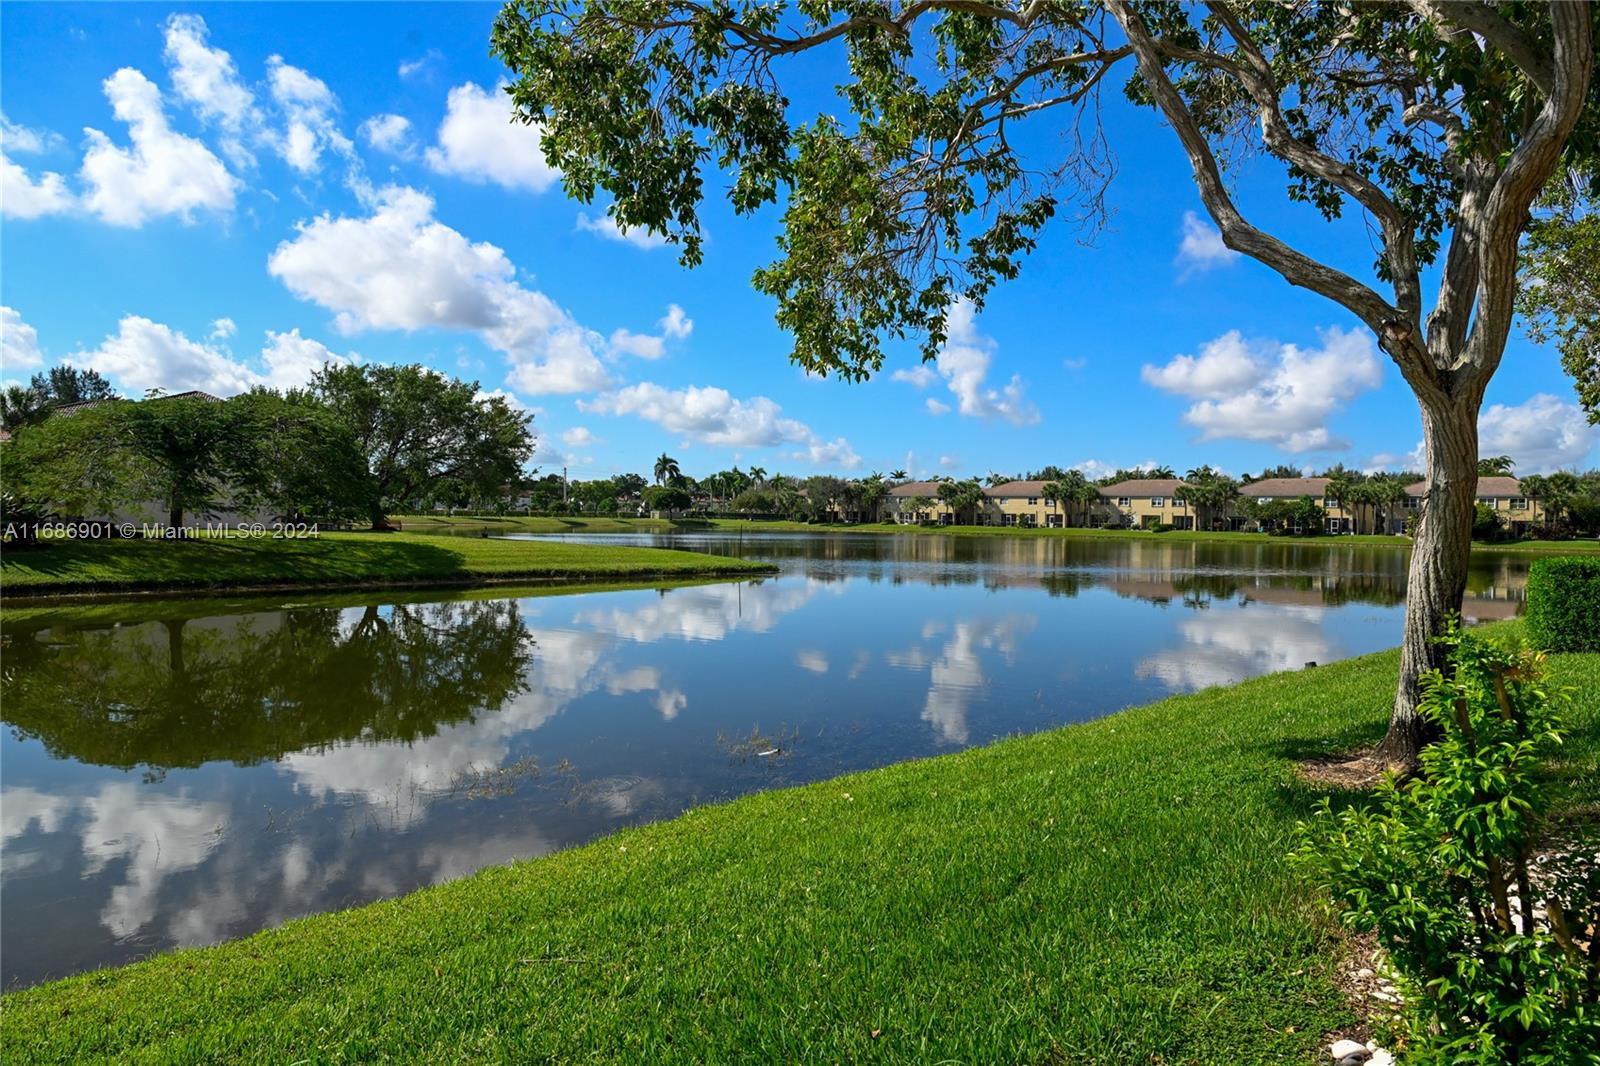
[334, 559]
[1105, 893]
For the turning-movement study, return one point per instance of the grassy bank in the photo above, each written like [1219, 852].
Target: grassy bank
[348, 560]
[1105, 893]
[1172, 536]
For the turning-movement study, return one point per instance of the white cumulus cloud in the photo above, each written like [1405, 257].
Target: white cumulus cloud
[675, 323]
[309, 107]
[160, 173]
[399, 268]
[479, 142]
[963, 363]
[639, 345]
[20, 195]
[208, 81]
[1201, 247]
[19, 342]
[1279, 394]
[291, 359]
[712, 415]
[607, 227]
[1542, 434]
[388, 133]
[578, 437]
[148, 355]
[222, 329]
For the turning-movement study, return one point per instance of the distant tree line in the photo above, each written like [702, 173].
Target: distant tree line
[360, 443]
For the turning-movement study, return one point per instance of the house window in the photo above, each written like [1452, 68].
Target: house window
[1519, 503]
[1266, 499]
[1329, 503]
[1122, 501]
[1033, 501]
[1489, 502]
[1158, 501]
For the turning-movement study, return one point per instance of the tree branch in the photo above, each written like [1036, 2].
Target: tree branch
[1483, 20]
[1399, 335]
[1505, 208]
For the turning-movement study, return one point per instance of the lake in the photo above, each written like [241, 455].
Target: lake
[183, 771]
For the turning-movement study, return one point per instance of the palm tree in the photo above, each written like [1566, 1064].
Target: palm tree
[1496, 466]
[21, 407]
[1387, 491]
[1161, 472]
[898, 475]
[667, 469]
[758, 474]
[1069, 489]
[872, 491]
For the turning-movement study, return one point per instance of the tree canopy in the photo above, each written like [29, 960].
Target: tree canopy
[425, 435]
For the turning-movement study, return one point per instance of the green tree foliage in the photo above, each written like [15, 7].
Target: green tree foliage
[1559, 297]
[1496, 466]
[80, 465]
[21, 407]
[1488, 944]
[667, 470]
[69, 384]
[1211, 493]
[666, 498]
[423, 434]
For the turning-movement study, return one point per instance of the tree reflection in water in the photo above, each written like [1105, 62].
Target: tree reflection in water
[252, 688]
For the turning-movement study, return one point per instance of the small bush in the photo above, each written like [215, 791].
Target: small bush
[1564, 604]
[1488, 941]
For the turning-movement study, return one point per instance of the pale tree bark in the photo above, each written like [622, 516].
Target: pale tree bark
[1449, 357]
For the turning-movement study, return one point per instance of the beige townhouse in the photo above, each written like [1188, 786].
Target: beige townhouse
[1501, 494]
[1339, 519]
[1022, 503]
[1143, 502]
[912, 502]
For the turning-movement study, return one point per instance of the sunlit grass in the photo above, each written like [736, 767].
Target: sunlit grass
[334, 559]
[1105, 893]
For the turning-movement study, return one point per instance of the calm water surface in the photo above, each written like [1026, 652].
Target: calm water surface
[183, 772]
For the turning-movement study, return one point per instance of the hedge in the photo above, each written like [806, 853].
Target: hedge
[1564, 604]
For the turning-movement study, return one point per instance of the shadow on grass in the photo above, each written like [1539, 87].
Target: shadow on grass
[199, 563]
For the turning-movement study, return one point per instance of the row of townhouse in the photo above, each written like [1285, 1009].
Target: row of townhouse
[1146, 502]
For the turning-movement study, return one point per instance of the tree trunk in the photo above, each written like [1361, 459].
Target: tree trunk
[1437, 578]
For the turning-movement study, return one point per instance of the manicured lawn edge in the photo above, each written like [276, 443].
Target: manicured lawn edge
[1106, 892]
[84, 569]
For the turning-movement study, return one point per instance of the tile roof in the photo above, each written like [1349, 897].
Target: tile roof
[1497, 485]
[1277, 487]
[1159, 486]
[907, 489]
[1017, 488]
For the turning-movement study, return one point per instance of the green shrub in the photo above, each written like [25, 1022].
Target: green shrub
[1564, 604]
[1487, 939]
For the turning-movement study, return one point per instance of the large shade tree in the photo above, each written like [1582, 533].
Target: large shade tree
[1439, 120]
[423, 434]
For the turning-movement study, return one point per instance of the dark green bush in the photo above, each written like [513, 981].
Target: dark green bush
[1564, 604]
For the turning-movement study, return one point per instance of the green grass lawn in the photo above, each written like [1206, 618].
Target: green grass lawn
[1113, 892]
[335, 559]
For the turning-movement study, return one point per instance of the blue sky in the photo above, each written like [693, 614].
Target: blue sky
[216, 196]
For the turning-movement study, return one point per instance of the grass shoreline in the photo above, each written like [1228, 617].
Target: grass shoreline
[1105, 892]
[335, 561]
